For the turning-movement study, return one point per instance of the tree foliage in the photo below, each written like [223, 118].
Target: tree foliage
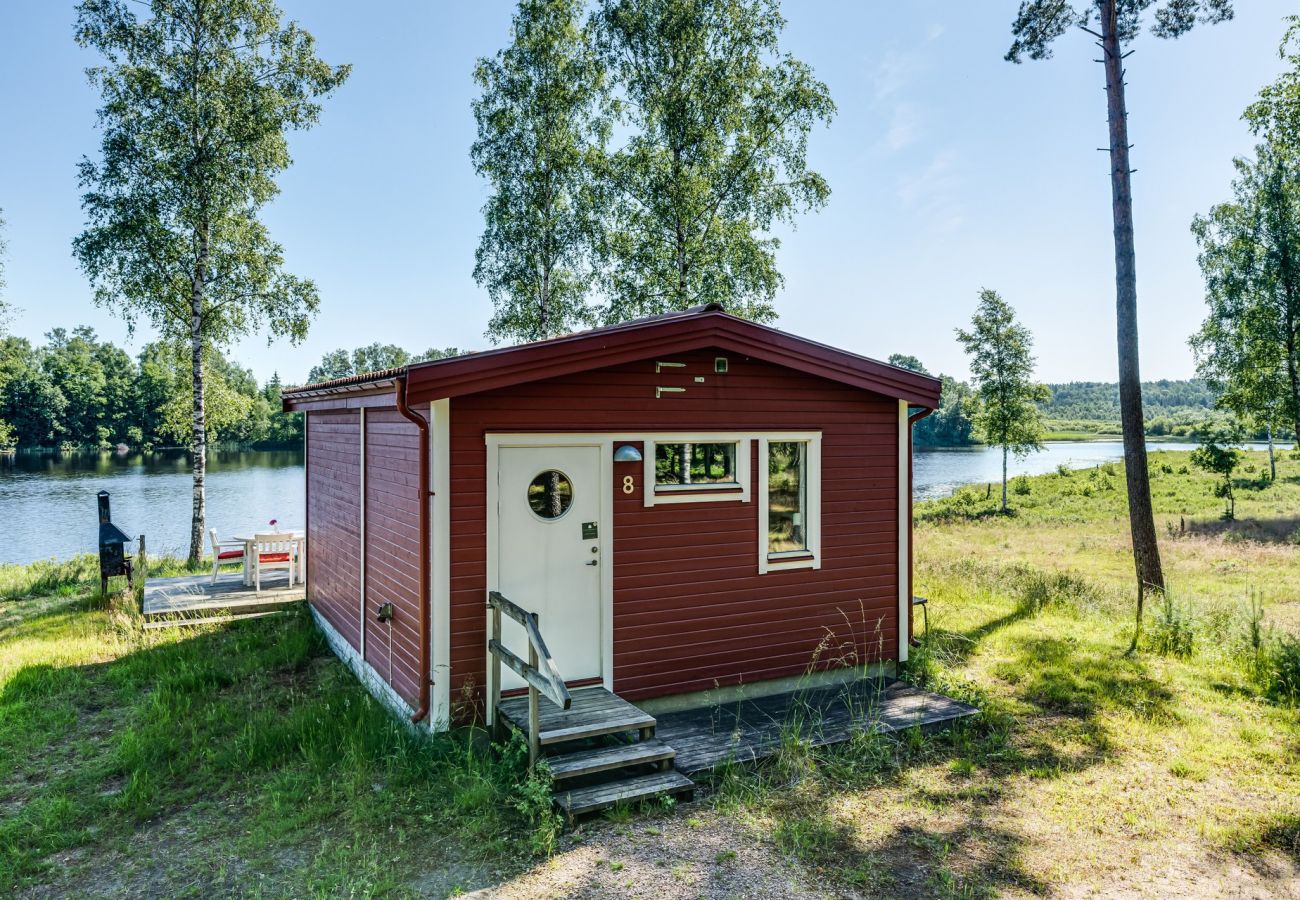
[1275, 114]
[197, 99]
[78, 391]
[717, 120]
[1218, 456]
[1249, 345]
[1002, 366]
[952, 424]
[370, 358]
[1039, 23]
[540, 136]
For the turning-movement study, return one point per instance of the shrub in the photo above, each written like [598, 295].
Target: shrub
[1063, 470]
[1283, 670]
[1020, 485]
[1173, 631]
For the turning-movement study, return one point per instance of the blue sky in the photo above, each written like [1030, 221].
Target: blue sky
[950, 170]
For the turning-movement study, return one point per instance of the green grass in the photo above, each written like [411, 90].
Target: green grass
[244, 758]
[1090, 767]
[209, 760]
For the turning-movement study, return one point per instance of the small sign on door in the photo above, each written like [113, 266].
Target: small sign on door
[588, 531]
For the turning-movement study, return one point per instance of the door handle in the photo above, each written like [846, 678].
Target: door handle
[591, 563]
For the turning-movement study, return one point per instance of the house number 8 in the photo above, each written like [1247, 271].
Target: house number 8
[629, 484]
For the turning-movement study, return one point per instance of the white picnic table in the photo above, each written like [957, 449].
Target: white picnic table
[250, 549]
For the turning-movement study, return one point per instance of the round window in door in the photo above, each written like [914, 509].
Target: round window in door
[550, 494]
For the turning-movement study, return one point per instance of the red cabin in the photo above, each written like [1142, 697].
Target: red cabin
[689, 503]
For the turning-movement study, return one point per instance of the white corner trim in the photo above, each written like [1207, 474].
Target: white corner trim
[904, 533]
[813, 524]
[440, 562]
[361, 533]
[703, 493]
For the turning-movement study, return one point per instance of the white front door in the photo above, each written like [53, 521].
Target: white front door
[548, 553]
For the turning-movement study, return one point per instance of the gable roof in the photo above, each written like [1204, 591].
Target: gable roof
[698, 328]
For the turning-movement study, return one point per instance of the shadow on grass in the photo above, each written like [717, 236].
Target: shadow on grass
[1059, 675]
[1279, 530]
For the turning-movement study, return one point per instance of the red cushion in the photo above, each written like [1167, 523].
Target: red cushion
[231, 554]
[273, 557]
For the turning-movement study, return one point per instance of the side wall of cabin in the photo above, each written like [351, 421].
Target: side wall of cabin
[690, 609]
[363, 537]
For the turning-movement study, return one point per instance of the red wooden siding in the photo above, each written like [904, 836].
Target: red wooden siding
[393, 549]
[334, 519]
[690, 609]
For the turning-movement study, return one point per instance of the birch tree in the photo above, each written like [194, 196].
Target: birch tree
[1113, 24]
[1002, 366]
[1249, 345]
[198, 96]
[540, 134]
[718, 118]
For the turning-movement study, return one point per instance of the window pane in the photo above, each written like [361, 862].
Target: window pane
[695, 463]
[550, 494]
[787, 496]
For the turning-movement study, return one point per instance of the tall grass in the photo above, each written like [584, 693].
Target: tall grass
[252, 732]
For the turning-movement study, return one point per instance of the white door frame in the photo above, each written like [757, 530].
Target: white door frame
[605, 444]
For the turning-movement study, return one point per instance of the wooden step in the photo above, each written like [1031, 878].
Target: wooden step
[595, 711]
[586, 762]
[595, 797]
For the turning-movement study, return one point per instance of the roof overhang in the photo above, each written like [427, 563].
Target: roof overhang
[603, 347]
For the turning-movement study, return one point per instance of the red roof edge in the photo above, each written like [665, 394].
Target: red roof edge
[630, 341]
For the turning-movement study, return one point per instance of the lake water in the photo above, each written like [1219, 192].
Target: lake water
[47, 502]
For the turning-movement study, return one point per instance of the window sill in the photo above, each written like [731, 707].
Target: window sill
[699, 494]
[792, 559]
[728, 487]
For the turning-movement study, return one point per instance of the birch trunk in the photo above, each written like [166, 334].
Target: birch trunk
[1004, 479]
[1146, 550]
[1272, 463]
[199, 435]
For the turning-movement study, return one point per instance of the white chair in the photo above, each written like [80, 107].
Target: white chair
[273, 551]
[224, 552]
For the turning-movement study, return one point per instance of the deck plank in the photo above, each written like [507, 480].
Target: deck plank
[753, 729]
[197, 593]
[595, 711]
[595, 797]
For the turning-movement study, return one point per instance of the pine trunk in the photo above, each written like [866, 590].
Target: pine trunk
[1146, 550]
[199, 436]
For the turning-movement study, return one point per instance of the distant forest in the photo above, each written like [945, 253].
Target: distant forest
[1083, 409]
[1096, 401]
[78, 392]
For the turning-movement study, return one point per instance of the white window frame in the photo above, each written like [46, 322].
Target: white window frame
[696, 493]
[792, 559]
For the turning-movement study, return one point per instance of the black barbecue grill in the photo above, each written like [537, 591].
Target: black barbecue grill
[113, 560]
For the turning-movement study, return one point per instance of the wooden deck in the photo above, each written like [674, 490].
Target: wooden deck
[751, 729]
[188, 598]
[747, 730]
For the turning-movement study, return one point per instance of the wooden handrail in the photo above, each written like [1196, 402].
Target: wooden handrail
[554, 687]
[540, 672]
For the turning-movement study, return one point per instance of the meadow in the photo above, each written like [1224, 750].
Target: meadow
[242, 758]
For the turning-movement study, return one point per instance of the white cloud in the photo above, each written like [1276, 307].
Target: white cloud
[892, 73]
[904, 127]
[931, 193]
